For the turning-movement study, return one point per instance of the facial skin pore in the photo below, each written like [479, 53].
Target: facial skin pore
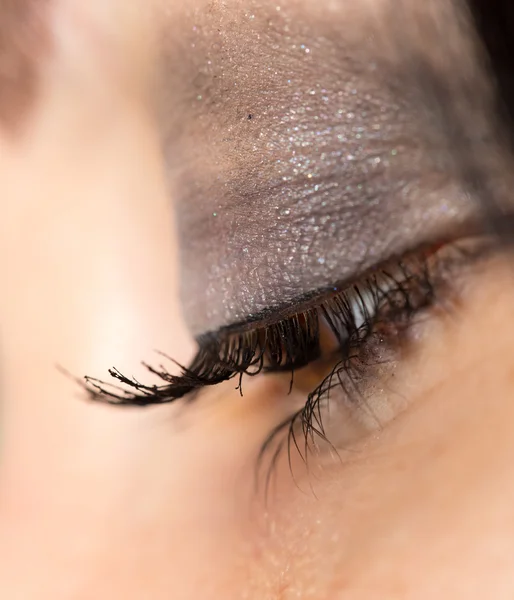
[162, 503]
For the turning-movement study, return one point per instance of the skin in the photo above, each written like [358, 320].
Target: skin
[161, 503]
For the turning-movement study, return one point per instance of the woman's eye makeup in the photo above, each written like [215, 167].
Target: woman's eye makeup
[332, 345]
[327, 211]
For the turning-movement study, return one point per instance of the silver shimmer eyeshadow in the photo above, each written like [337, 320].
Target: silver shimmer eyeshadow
[303, 162]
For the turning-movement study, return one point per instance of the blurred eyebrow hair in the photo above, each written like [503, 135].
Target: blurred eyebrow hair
[494, 23]
[24, 42]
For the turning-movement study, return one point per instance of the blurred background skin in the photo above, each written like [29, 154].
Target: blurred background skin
[103, 503]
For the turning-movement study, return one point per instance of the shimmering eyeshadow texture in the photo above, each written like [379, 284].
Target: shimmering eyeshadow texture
[339, 168]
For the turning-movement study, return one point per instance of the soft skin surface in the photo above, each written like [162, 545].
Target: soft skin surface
[96, 502]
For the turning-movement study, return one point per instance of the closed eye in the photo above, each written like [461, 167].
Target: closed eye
[333, 347]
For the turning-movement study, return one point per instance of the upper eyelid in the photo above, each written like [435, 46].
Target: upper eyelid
[314, 298]
[214, 361]
[240, 220]
[250, 262]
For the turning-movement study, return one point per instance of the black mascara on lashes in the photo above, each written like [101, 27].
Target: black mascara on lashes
[284, 345]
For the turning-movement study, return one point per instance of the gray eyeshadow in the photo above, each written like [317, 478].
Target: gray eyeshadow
[264, 258]
[341, 198]
[297, 177]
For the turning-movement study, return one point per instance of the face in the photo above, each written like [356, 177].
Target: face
[304, 207]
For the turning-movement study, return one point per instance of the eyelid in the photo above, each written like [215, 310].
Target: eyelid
[313, 298]
[213, 364]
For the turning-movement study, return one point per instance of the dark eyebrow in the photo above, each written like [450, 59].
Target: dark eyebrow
[24, 43]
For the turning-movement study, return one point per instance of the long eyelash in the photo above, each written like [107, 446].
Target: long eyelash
[286, 345]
